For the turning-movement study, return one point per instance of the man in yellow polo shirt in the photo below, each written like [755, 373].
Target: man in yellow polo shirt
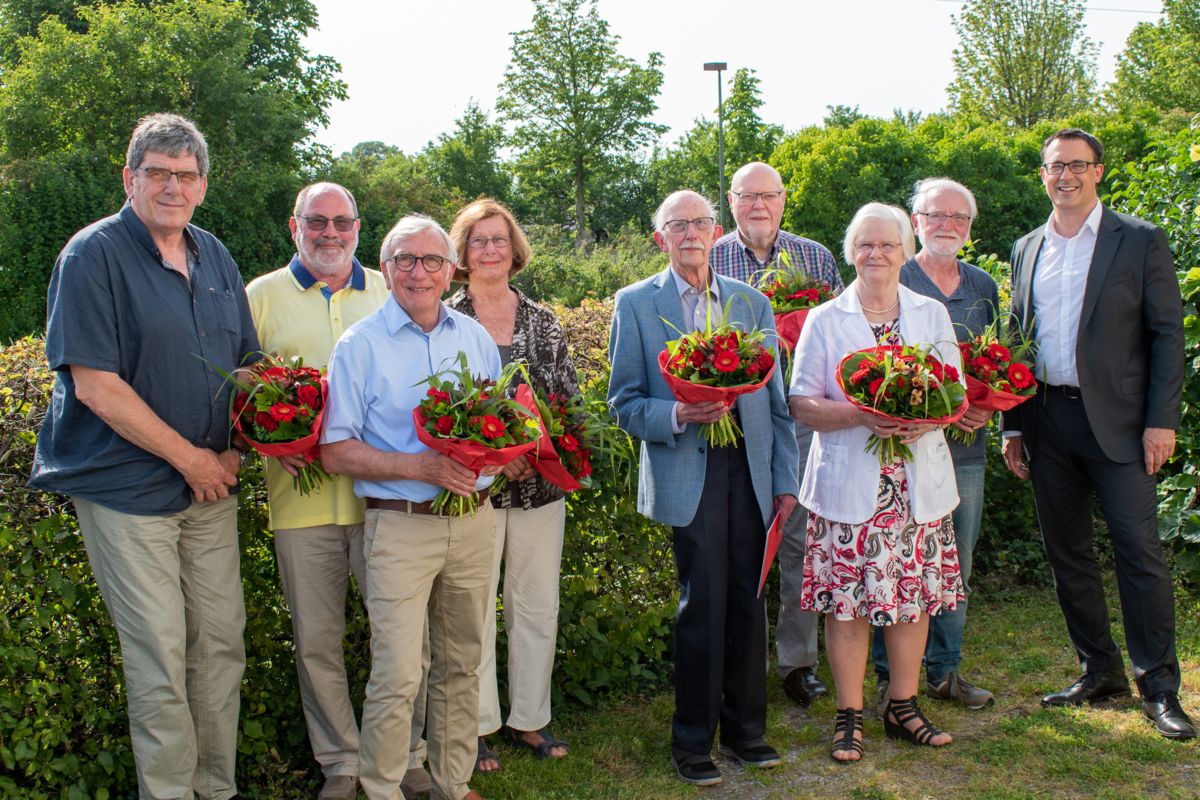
[302, 309]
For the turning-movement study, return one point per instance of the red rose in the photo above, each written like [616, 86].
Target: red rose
[284, 412]
[445, 424]
[438, 394]
[696, 358]
[861, 375]
[874, 387]
[239, 403]
[265, 420]
[726, 361]
[491, 427]
[309, 395]
[763, 361]
[1020, 376]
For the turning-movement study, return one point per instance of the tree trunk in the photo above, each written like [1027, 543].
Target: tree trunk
[583, 235]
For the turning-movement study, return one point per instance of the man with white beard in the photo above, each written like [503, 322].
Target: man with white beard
[942, 213]
[301, 310]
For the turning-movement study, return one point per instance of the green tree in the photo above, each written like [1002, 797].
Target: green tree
[1022, 61]
[747, 137]
[1160, 66]
[468, 161]
[575, 100]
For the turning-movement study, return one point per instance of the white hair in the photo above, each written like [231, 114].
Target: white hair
[922, 190]
[887, 213]
[414, 225]
[660, 216]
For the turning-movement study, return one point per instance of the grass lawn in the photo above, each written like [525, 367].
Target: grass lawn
[1016, 646]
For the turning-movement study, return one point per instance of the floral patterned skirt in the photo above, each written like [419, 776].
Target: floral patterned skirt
[888, 569]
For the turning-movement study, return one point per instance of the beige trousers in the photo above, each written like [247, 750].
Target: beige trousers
[530, 544]
[172, 585]
[421, 566]
[314, 566]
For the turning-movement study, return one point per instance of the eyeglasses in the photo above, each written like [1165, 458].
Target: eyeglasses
[480, 242]
[937, 218]
[701, 224]
[318, 223]
[865, 248]
[1078, 167]
[748, 198]
[407, 262]
[160, 175]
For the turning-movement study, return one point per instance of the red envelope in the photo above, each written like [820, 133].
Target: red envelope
[774, 537]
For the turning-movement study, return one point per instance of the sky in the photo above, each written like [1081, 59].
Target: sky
[412, 67]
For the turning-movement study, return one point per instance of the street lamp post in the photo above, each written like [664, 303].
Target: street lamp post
[717, 67]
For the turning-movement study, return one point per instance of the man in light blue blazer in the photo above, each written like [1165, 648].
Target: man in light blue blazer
[718, 500]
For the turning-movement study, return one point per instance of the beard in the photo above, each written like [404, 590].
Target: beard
[943, 247]
[325, 260]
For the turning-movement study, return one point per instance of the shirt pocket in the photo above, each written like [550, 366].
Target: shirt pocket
[831, 464]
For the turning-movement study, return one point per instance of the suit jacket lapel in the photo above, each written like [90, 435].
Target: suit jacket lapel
[1107, 238]
[1029, 257]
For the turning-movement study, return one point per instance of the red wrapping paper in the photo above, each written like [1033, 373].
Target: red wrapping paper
[957, 415]
[688, 392]
[789, 324]
[306, 446]
[474, 455]
[989, 399]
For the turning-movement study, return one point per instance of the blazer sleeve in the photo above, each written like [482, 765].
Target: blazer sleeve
[1162, 316]
[630, 402]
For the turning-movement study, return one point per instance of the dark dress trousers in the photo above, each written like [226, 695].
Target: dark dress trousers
[1129, 359]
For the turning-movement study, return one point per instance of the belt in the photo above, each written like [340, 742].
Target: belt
[409, 507]
[1069, 392]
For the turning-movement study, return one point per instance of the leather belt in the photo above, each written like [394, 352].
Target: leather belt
[1069, 392]
[409, 507]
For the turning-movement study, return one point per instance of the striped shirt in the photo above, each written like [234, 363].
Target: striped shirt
[731, 257]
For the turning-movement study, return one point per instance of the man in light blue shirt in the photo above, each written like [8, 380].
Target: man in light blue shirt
[417, 561]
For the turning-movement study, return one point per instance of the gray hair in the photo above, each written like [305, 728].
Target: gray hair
[922, 189]
[318, 188]
[887, 213]
[415, 225]
[660, 215]
[169, 134]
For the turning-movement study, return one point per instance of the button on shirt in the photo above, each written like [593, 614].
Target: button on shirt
[375, 379]
[1059, 280]
[114, 305]
[733, 258]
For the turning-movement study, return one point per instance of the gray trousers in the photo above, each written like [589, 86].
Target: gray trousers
[795, 630]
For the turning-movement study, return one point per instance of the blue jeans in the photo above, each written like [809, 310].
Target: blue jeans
[943, 651]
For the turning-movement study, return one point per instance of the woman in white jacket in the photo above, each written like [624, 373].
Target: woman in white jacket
[880, 546]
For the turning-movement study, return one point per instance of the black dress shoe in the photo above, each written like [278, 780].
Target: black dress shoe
[756, 753]
[696, 769]
[802, 686]
[1092, 687]
[1168, 716]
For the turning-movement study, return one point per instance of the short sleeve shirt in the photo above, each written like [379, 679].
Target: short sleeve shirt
[114, 305]
[972, 307]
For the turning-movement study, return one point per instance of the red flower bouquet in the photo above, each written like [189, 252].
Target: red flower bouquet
[564, 454]
[999, 372]
[278, 409]
[717, 365]
[470, 420]
[792, 293]
[901, 384]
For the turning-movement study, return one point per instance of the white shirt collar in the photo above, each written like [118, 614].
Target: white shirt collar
[1092, 223]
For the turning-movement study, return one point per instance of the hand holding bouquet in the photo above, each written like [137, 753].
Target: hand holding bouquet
[999, 372]
[901, 384]
[793, 293]
[717, 365]
[470, 420]
[278, 409]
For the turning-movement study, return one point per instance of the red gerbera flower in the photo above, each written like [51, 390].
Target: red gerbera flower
[284, 412]
[491, 427]
[568, 442]
[726, 361]
[998, 352]
[1020, 376]
[984, 366]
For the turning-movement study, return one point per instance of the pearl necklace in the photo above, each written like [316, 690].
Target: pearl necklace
[887, 310]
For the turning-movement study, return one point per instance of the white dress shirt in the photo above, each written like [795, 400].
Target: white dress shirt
[700, 311]
[1059, 280]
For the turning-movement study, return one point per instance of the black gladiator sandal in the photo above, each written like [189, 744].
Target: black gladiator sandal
[902, 711]
[847, 722]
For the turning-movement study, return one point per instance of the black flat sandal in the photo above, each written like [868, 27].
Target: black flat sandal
[847, 722]
[902, 711]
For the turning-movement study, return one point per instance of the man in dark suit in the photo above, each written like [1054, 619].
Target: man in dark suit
[1098, 291]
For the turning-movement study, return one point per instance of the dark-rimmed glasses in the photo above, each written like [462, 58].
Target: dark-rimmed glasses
[407, 262]
[318, 223]
[160, 175]
[1077, 167]
[748, 198]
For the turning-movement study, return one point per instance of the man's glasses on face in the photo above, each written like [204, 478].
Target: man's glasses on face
[159, 176]
[749, 198]
[407, 262]
[937, 217]
[1077, 167]
[701, 224]
[318, 223]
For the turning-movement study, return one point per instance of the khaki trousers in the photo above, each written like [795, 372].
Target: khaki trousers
[314, 567]
[421, 566]
[530, 544]
[172, 585]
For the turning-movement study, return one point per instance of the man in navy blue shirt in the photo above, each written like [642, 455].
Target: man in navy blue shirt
[143, 309]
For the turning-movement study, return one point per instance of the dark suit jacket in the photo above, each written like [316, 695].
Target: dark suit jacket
[1130, 348]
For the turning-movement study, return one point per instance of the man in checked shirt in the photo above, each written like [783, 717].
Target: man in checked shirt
[756, 197]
